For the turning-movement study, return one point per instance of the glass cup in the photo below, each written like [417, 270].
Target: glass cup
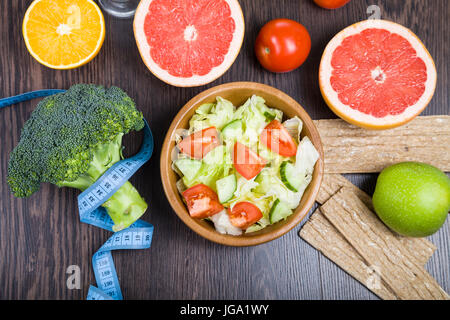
[119, 8]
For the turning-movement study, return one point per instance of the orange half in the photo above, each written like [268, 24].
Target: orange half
[63, 34]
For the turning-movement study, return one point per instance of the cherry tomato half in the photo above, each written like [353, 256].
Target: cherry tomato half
[198, 144]
[246, 161]
[282, 45]
[331, 4]
[276, 137]
[244, 214]
[202, 201]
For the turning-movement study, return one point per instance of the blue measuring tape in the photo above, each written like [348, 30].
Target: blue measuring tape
[4, 102]
[137, 236]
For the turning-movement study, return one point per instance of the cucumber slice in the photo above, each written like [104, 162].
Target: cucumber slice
[188, 167]
[290, 176]
[233, 130]
[226, 188]
[279, 211]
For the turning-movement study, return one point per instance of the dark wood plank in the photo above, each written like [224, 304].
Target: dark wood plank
[41, 236]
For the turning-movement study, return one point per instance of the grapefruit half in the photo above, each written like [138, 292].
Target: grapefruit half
[377, 74]
[188, 43]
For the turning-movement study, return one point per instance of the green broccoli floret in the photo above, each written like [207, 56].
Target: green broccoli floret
[71, 139]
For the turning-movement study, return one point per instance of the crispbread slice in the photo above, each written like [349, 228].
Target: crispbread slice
[380, 248]
[323, 236]
[350, 149]
[331, 183]
[420, 248]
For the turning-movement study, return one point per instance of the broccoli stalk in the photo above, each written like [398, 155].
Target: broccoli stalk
[71, 139]
[126, 205]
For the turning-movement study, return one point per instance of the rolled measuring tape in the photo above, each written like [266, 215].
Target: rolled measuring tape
[137, 236]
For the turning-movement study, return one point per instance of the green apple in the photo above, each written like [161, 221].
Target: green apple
[412, 198]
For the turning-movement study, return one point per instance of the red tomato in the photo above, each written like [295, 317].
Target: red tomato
[276, 137]
[244, 214]
[198, 144]
[247, 162]
[202, 201]
[331, 4]
[282, 45]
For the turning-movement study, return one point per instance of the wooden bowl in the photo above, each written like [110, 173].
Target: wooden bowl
[238, 93]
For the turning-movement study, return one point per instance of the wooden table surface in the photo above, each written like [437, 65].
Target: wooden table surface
[41, 236]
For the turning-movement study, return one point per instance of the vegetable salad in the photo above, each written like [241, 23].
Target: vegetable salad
[243, 168]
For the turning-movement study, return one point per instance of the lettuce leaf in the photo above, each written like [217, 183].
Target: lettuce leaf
[294, 126]
[254, 113]
[216, 114]
[306, 157]
[223, 225]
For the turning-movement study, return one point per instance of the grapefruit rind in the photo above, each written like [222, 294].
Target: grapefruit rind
[366, 120]
[77, 64]
[196, 80]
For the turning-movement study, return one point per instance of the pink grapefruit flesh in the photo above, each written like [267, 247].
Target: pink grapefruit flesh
[189, 42]
[377, 74]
